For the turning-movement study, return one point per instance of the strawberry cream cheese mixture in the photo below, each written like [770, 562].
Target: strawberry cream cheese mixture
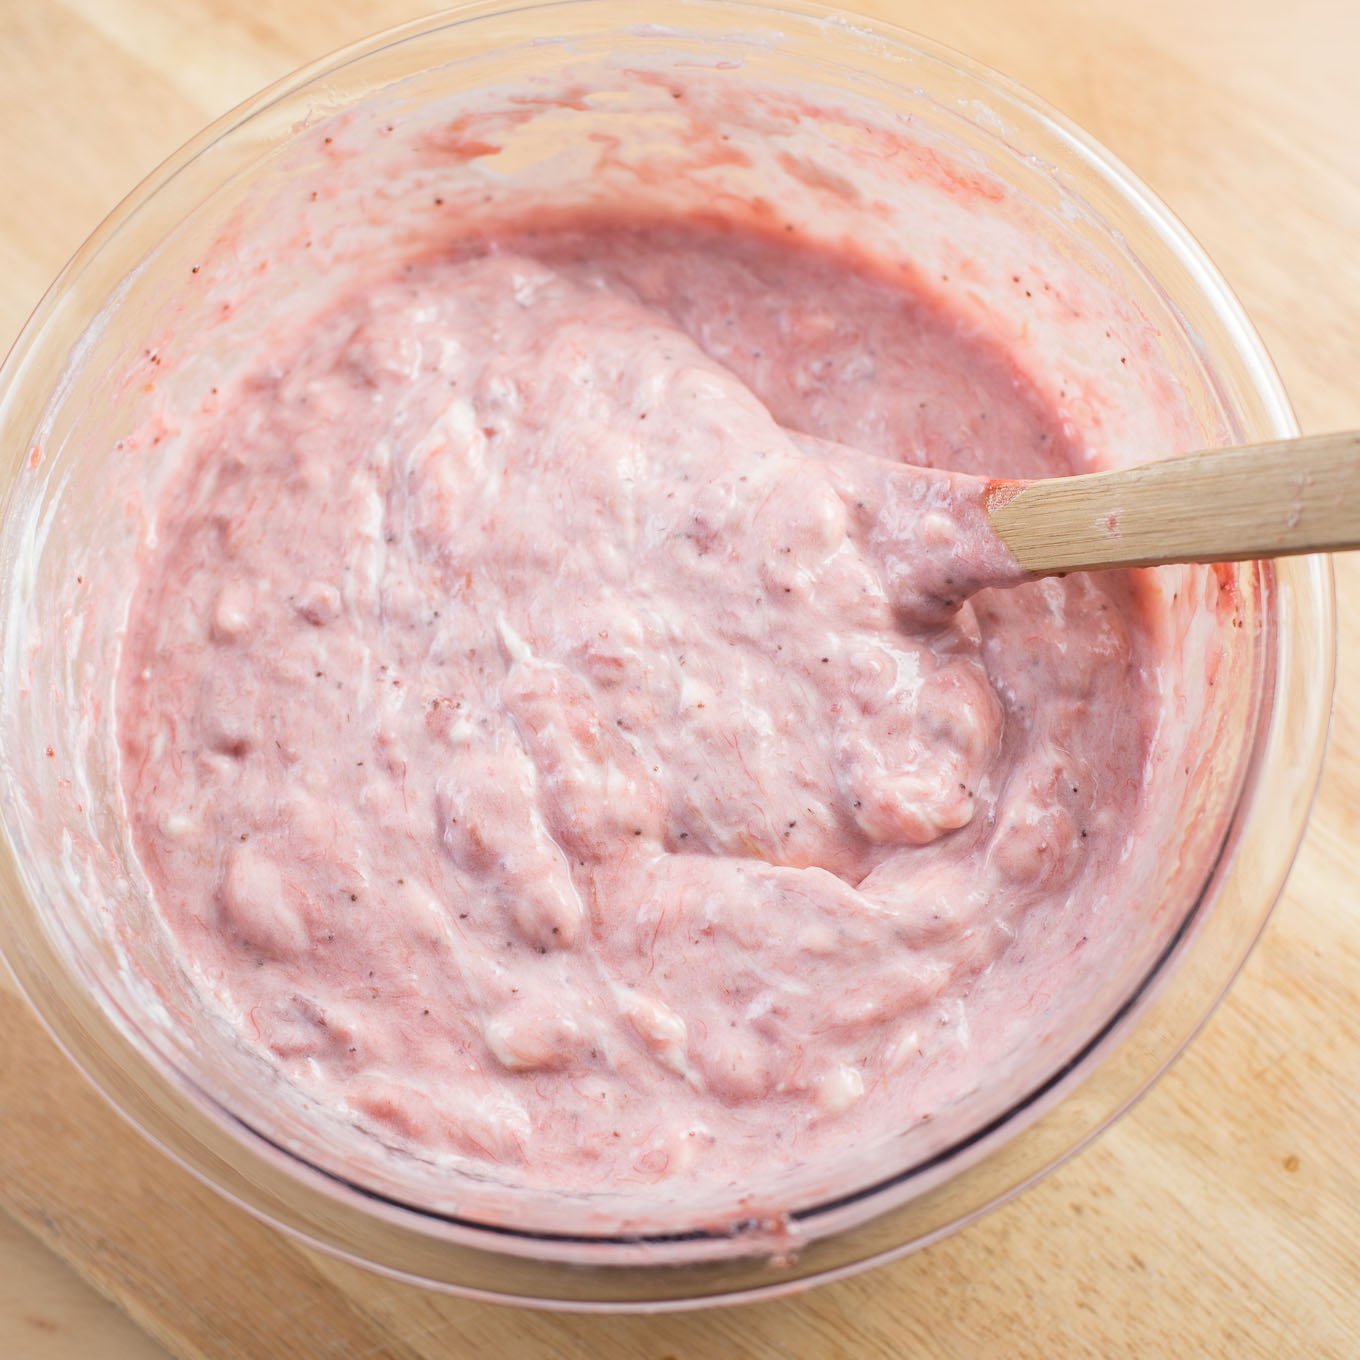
[555, 735]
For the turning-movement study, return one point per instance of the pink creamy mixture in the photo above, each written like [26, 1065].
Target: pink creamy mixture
[546, 755]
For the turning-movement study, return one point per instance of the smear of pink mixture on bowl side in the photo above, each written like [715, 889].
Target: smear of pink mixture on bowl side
[543, 744]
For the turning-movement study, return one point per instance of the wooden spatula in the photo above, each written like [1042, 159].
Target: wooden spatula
[1262, 500]
[940, 537]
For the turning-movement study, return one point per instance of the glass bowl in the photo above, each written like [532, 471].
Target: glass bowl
[843, 130]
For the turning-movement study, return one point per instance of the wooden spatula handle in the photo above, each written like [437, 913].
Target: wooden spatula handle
[1263, 500]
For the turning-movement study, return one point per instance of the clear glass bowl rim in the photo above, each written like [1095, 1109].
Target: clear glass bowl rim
[1247, 351]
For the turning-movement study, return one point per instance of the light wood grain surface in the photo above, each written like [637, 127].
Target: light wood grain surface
[1222, 1216]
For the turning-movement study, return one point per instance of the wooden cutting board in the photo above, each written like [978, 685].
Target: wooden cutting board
[1222, 1216]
